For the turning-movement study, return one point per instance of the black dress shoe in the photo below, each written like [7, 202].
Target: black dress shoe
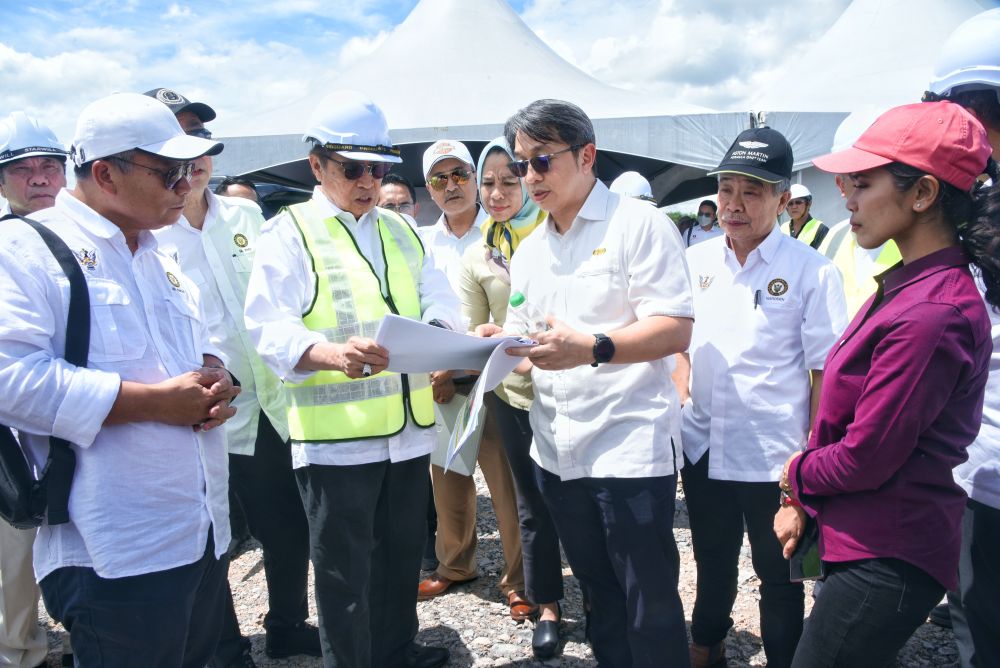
[423, 656]
[545, 639]
[284, 641]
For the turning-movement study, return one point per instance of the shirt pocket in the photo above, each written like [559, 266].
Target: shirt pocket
[243, 262]
[598, 292]
[181, 327]
[116, 330]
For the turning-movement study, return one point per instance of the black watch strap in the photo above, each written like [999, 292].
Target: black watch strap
[604, 349]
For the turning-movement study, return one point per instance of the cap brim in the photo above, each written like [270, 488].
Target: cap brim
[35, 154]
[369, 157]
[849, 161]
[752, 172]
[204, 112]
[183, 147]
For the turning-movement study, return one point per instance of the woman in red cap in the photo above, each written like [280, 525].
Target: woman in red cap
[903, 389]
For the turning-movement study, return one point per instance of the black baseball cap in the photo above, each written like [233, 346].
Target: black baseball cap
[760, 153]
[179, 103]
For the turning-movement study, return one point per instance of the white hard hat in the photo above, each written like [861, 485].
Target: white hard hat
[800, 191]
[126, 121]
[632, 184]
[853, 126]
[970, 57]
[21, 136]
[350, 124]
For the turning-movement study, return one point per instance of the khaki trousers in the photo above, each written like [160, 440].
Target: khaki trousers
[22, 640]
[455, 500]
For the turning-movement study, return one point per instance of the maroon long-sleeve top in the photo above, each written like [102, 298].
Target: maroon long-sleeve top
[902, 397]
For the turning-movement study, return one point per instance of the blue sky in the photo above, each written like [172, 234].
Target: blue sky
[58, 55]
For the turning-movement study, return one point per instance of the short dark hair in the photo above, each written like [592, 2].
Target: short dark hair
[235, 181]
[549, 121]
[392, 179]
[122, 160]
[715, 207]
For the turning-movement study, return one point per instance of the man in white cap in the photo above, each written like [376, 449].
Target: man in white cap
[361, 436]
[136, 574]
[801, 225]
[450, 175]
[32, 165]
[214, 242]
[634, 185]
[32, 171]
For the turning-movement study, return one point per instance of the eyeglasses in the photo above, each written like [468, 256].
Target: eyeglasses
[402, 207]
[354, 170]
[204, 133]
[540, 163]
[172, 176]
[459, 176]
[796, 202]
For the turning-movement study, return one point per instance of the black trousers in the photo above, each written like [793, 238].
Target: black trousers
[618, 537]
[975, 607]
[539, 539]
[717, 511]
[367, 527]
[865, 613]
[166, 619]
[265, 486]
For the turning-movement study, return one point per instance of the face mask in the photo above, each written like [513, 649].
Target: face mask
[705, 220]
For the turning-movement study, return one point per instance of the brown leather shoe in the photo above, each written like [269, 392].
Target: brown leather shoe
[521, 609]
[704, 656]
[435, 585]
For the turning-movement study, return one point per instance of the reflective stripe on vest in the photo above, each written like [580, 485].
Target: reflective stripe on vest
[329, 406]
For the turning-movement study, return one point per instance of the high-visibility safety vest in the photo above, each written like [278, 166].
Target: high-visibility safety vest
[329, 406]
[859, 279]
[812, 233]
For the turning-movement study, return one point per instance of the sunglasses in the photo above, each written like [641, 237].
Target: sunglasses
[540, 163]
[204, 133]
[354, 170]
[459, 176]
[797, 202]
[172, 176]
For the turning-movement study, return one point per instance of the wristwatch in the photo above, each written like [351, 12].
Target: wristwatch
[604, 349]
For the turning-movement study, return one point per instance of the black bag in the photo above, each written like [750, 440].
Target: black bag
[24, 501]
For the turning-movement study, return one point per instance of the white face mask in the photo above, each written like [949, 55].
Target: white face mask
[705, 220]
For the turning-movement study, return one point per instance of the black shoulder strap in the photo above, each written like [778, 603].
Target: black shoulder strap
[821, 232]
[61, 465]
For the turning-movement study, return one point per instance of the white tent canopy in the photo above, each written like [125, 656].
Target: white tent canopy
[457, 69]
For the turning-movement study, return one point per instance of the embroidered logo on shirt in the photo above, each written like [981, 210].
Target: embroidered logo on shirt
[777, 287]
[705, 281]
[599, 251]
[241, 240]
[174, 281]
[87, 258]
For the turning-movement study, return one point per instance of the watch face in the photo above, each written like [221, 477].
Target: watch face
[604, 349]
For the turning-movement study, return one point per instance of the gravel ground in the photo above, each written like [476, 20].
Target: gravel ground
[474, 624]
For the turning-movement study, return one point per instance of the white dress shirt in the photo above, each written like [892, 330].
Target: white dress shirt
[447, 249]
[145, 493]
[980, 475]
[220, 267]
[282, 286]
[759, 329]
[697, 234]
[621, 261]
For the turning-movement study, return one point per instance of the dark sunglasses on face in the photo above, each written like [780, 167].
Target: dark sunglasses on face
[204, 133]
[172, 176]
[459, 176]
[540, 163]
[354, 170]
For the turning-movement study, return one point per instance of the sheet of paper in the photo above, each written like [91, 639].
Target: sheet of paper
[416, 347]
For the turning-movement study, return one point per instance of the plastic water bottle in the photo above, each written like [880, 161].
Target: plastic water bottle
[530, 318]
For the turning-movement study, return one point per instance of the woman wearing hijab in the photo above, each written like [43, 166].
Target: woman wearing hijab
[902, 390]
[485, 291]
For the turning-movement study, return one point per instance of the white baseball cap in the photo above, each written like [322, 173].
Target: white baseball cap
[21, 136]
[126, 121]
[351, 125]
[444, 149]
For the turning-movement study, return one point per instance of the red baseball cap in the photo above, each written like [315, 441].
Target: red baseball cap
[940, 138]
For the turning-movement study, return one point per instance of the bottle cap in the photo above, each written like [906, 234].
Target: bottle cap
[516, 299]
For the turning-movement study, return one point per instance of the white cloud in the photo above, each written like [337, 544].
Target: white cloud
[177, 12]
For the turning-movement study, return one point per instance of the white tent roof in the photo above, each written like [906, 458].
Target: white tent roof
[441, 66]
